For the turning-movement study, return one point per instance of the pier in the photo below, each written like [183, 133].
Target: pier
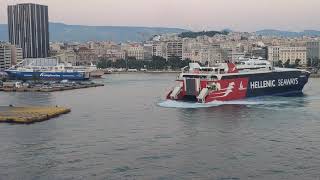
[16, 86]
[29, 115]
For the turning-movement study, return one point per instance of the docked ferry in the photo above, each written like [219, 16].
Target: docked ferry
[93, 71]
[36, 69]
[229, 81]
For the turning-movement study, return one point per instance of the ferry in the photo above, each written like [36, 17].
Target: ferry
[36, 69]
[234, 81]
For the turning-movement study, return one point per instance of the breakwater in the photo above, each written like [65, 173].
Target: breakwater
[28, 115]
[45, 87]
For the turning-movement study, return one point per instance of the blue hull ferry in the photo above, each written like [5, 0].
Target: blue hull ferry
[21, 75]
[45, 69]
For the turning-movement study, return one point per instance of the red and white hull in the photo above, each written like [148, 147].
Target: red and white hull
[235, 86]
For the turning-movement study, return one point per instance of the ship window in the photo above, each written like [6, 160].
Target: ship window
[194, 76]
[206, 69]
[240, 63]
[214, 78]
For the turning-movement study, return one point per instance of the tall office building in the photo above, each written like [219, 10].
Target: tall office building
[29, 29]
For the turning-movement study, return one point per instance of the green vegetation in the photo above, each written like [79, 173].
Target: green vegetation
[313, 63]
[278, 64]
[157, 63]
[287, 64]
[202, 33]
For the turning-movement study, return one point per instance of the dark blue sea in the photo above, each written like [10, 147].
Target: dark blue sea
[126, 130]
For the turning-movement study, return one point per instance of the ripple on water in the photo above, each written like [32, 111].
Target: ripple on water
[121, 169]
[122, 131]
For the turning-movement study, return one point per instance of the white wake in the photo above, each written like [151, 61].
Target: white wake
[182, 104]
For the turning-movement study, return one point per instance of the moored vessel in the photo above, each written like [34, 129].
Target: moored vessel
[45, 69]
[93, 71]
[228, 81]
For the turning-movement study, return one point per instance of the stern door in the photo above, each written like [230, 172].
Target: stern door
[192, 86]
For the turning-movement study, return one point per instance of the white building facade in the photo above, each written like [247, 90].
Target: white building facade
[292, 54]
[5, 57]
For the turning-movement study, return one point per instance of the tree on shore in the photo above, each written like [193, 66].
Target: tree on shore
[287, 64]
[279, 64]
[157, 63]
[297, 62]
[191, 34]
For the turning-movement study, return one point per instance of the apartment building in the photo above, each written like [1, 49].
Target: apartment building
[274, 53]
[5, 57]
[136, 51]
[313, 50]
[174, 49]
[292, 54]
[9, 55]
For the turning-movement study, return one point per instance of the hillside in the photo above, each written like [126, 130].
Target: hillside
[63, 32]
[272, 32]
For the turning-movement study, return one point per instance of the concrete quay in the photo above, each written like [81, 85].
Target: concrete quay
[45, 87]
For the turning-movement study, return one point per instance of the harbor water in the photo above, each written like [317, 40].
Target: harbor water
[126, 130]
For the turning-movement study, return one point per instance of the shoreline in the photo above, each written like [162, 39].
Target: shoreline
[314, 75]
[128, 72]
[163, 72]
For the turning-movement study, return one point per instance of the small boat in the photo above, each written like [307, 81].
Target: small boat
[93, 71]
[229, 81]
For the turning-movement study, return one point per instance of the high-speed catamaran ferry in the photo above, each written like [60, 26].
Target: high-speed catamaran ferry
[228, 81]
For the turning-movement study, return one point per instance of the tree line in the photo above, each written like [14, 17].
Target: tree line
[313, 63]
[156, 63]
[175, 63]
[191, 34]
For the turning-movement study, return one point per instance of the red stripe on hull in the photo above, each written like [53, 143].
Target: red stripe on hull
[231, 89]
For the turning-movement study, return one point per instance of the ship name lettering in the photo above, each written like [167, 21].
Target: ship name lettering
[288, 82]
[262, 84]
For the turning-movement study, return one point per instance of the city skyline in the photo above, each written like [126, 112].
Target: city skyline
[241, 15]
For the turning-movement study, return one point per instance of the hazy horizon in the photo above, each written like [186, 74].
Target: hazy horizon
[238, 15]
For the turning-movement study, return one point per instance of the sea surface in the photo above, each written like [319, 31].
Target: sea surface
[126, 130]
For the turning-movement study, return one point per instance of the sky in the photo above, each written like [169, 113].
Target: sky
[239, 15]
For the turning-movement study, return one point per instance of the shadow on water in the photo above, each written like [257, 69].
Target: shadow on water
[222, 116]
[228, 112]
